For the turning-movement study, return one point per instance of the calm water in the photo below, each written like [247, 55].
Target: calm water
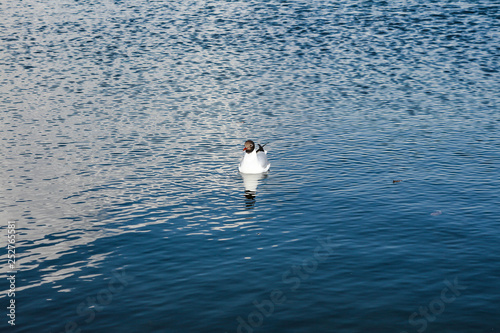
[122, 124]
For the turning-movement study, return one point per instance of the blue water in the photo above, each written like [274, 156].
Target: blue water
[122, 124]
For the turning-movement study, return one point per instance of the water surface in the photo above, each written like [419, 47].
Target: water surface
[123, 122]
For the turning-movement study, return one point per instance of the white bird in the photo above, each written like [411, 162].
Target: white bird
[254, 161]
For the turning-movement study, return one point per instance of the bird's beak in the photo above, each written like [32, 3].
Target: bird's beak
[245, 148]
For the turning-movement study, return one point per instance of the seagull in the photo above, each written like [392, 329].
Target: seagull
[254, 161]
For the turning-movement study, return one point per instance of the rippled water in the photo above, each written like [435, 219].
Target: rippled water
[122, 124]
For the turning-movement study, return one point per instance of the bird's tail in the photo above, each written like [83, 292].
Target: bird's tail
[261, 148]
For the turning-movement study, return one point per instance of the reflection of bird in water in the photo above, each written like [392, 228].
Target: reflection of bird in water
[254, 161]
[249, 195]
[251, 180]
[249, 201]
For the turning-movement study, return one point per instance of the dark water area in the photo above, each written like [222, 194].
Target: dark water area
[122, 124]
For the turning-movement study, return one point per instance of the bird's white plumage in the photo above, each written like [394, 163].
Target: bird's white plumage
[254, 162]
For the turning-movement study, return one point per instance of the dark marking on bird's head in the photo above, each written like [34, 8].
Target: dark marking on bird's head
[249, 146]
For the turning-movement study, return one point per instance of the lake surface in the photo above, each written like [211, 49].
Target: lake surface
[123, 122]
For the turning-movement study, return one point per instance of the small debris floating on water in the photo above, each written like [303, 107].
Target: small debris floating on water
[436, 213]
[397, 181]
